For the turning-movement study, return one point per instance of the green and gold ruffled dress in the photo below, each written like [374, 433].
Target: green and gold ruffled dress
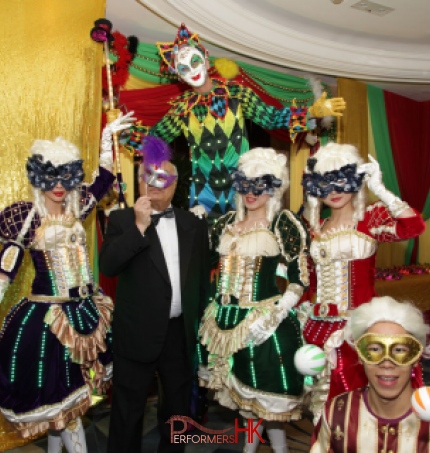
[261, 381]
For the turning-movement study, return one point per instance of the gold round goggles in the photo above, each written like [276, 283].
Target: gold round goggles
[402, 349]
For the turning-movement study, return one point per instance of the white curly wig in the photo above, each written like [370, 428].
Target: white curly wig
[258, 162]
[59, 152]
[331, 157]
[386, 309]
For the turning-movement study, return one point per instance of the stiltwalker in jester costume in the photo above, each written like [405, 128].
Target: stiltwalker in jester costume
[211, 115]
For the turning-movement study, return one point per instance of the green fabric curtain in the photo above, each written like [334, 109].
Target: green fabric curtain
[281, 86]
[426, 209]
[381, 137]
[146, 65]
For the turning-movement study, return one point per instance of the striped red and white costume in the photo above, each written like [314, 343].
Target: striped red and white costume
[348, 425]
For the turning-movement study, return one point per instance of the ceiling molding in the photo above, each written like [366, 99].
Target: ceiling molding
[226, 24]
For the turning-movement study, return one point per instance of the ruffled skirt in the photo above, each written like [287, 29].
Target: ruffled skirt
[53, 356]
[260, 381]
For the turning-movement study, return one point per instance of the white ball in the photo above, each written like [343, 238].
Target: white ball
[421, 403]
[309, 360]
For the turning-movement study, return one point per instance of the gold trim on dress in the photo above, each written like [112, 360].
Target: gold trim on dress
[226, 342]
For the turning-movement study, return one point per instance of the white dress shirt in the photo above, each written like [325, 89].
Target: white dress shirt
[168, 235]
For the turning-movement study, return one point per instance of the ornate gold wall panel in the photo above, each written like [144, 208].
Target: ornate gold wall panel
[50, 86]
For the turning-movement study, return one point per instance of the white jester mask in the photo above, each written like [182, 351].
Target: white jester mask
[191, 67]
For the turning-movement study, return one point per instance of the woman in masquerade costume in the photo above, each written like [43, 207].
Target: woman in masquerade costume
[343, 251]
[211, 115]
[53, 339]
[249, 329]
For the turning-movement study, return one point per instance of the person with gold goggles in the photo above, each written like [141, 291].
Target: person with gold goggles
[389, 338]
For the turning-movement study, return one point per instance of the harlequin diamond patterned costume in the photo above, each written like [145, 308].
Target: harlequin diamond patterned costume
[53, 339]
[249, 329]
[211, 116]
[344, 258]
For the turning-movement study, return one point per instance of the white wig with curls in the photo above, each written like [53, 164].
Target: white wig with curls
[258, 162]
[331, 157]
[59, 152]
[386, 309]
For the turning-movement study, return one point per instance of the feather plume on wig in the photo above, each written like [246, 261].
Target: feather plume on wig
[155, 151]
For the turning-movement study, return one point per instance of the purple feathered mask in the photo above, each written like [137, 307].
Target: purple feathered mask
[156, 151]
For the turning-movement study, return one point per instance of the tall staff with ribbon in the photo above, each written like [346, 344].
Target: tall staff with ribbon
[101, 32]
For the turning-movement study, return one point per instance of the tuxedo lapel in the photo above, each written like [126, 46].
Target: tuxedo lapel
[156, 252]
[185, 241]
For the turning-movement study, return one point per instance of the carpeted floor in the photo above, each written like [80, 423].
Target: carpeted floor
[97, 420]
[96, 424]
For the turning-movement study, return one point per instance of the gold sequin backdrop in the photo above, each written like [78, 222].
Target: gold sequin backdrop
[50, 85]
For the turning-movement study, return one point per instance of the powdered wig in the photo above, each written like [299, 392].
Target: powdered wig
[331, 157]
[59, 152]
[386, 309]
[258, 162]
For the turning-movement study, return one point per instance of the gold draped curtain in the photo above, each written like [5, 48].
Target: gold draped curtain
[51, 86]
[352, 126]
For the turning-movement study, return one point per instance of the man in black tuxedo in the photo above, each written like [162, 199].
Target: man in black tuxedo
[163, 270]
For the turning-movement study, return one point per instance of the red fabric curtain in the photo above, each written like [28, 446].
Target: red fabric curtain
[151, 104]
[408, 124]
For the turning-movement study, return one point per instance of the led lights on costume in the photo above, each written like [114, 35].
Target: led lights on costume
[343, 251]
[65, 315]
[211, 115]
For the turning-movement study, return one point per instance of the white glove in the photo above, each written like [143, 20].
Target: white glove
[199, 211]
[312, 202]
[374, 181]
[3, 287]
[266, 325]
[121, 123]
[311, 211]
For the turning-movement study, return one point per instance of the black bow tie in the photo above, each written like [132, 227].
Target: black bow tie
[168, 213]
